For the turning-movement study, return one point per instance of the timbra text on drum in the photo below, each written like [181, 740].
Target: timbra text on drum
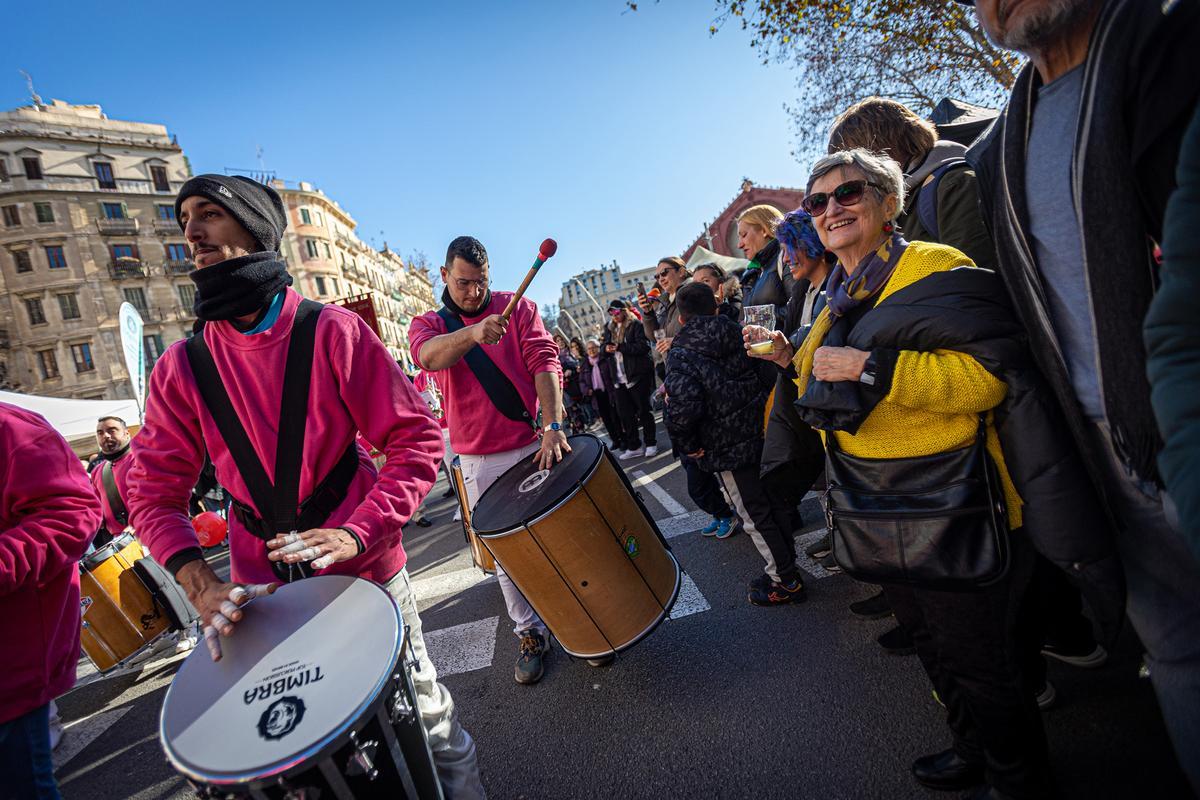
[312, 698]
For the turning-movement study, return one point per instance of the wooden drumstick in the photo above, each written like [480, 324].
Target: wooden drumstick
[548, 249]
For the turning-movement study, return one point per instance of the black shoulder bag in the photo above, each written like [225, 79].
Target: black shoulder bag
[933, 522]
[495, 383]
[277, 503]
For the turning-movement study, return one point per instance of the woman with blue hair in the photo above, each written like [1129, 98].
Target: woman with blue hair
[792, 457]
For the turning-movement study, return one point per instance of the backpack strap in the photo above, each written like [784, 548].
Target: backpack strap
[927, 200]
[115, 504]
[495, 383]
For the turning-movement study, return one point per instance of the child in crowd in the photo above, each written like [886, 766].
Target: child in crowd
[715, 415]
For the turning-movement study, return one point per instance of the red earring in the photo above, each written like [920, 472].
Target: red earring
[888, 227]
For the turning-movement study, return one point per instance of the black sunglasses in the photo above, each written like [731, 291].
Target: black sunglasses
[667, 271]
[848, 194]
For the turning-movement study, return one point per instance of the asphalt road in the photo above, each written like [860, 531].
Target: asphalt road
[724, 700]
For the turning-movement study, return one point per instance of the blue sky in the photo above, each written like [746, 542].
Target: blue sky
[619, 134]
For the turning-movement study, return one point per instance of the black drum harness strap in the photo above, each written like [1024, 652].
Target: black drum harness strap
[495, 383]
[277, 502]
[115, 503]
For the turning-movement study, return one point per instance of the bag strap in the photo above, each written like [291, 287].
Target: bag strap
[927, 200]
[268, 499]
[115, 503]
[495, 383]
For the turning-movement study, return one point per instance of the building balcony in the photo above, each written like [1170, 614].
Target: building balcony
[172, 267]
[126, 268]
[117, 227]
[166, 227]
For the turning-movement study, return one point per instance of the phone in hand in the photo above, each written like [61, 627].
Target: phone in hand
[641, 289]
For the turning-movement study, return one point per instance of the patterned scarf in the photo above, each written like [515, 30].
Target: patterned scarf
[844, 293]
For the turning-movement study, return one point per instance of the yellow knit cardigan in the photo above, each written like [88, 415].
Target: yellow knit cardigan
[936, 397]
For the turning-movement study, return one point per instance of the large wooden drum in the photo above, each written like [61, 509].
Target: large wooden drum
[120, 616]
[581, 547]
[479, 554]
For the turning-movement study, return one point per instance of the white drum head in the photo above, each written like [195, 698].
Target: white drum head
[301, 667]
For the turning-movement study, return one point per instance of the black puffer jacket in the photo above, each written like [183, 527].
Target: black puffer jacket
[716, 394]
[635, 355]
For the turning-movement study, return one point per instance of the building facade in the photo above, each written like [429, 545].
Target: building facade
[329, 263]
[721, 236]
[87, 222]
[583, 301]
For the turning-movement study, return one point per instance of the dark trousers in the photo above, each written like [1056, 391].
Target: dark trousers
[25, 764]
[612, 421]
[972, 647]
[633, 407]
[704, 489]
[768, 524]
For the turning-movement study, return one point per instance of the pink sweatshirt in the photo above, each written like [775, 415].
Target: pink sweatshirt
[48, 514]
[476, 426]
[356, 386]
[121, 469]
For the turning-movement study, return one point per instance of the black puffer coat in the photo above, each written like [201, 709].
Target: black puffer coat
[716, 394]
[635, 354]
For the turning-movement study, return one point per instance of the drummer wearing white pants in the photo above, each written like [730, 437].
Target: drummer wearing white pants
[495, 374]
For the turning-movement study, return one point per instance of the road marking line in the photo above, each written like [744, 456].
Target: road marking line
[669, 504]
[653, 476]
[79, 734]
[463, 648]
[447, 583]
[683, 523]
[690, 600]
[806, 562]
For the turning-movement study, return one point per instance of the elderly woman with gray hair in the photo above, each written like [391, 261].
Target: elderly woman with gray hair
[915, 375]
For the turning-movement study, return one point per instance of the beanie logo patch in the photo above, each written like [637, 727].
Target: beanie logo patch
[224, 191]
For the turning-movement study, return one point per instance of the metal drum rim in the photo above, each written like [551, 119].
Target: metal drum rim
[118, 543]
[326, 746]
[496, 534]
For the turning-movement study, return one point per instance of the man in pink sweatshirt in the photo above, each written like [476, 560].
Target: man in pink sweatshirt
[487, 440]
[112, 435]
[232, 389]
[48, 515]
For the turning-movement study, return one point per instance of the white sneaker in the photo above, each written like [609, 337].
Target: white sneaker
[652, 450]
[185, 643]
[628, 454]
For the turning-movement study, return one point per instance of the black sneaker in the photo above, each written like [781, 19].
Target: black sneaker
[533, 648]
[830, 564]
[821, 547]
[874, 607]
[898, 642]
[775, 593]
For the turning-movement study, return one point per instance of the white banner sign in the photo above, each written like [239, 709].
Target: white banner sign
[131, 343]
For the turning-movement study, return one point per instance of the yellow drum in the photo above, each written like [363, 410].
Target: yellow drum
[581, 547]
[479, 554]
[120, 617]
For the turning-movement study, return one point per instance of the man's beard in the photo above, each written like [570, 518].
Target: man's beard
[1035, 31]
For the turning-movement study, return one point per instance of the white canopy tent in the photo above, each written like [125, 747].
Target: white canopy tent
[75, 419]
[727, 263]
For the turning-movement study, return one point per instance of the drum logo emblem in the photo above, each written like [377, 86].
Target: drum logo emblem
[533, 481]
[281, 718]
[85, 603]
[631, 546]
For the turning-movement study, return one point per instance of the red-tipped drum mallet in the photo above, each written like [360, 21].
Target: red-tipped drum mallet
[548, 249]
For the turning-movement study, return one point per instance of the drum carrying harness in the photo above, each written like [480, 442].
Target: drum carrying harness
[278, 501]
[115, 503]
[495, 383]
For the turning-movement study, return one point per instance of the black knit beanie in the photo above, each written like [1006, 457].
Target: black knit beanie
[256, 206]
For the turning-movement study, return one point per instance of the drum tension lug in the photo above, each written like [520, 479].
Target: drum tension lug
[362, 761]
[401, 707]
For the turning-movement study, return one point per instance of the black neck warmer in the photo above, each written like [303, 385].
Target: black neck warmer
[453, 307]
[239, 286]
[117, 456]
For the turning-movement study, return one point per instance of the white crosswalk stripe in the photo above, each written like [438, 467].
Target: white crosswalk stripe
[463, 648]
[690, 600]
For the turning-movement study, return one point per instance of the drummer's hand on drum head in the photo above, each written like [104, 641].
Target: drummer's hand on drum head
[554, 447]
[322, 546]
[218, 603]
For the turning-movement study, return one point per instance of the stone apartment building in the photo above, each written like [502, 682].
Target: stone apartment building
[586, 311]
[330, 263]
[87, 222]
